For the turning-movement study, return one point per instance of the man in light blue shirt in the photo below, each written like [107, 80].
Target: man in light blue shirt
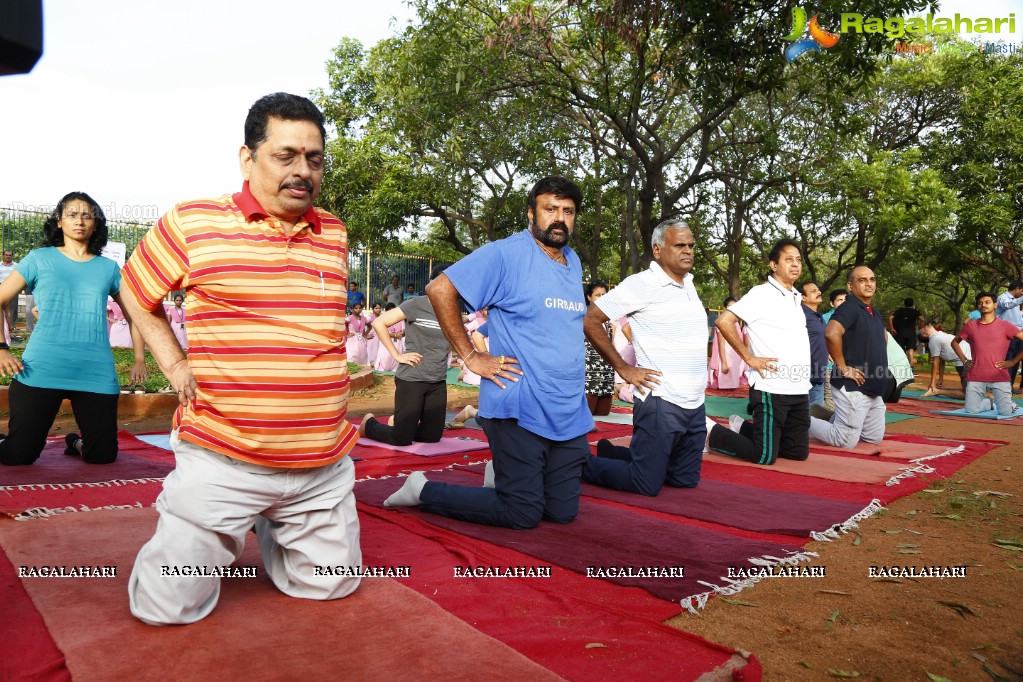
[1008, 310]
[668, 321]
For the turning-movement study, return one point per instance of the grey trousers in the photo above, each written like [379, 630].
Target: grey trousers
[857, 417]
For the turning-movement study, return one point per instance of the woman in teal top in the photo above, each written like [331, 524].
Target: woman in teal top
[68, 354]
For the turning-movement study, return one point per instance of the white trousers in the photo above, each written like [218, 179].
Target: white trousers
[857, 417]
[304, 519]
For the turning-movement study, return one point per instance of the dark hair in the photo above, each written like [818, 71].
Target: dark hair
[802, 287]
[728, 299]
[181, 296]
[908, 303]
[390, 306]
[54, 236]
[1015, 284]
[836, 293]
[279, 105]
[776, 250]
[983, 294]
[589, 288]
[562, 188]
[437, 271]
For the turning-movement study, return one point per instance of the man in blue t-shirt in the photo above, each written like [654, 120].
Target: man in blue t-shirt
[532, 400]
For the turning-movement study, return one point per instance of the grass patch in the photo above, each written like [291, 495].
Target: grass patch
[124, 358]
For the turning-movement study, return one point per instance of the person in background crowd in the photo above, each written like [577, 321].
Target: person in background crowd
[600, 376]
[176, 319]
[1008, 309]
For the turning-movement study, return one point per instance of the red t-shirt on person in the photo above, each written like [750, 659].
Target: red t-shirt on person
[988, 343]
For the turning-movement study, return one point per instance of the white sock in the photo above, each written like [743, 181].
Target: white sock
[488, 476]
[408, 494]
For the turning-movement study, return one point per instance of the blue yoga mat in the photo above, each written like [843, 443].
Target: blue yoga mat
[987, 414]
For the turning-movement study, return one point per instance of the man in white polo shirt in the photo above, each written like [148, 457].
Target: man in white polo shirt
[779, 366]
[669, 332]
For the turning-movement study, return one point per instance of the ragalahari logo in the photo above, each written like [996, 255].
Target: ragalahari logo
[807, 37]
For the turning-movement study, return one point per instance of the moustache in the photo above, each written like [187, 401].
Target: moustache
[304, 184]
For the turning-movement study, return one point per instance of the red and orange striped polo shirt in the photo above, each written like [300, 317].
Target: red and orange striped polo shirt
[266, 327]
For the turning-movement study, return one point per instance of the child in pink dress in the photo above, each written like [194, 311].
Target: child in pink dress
[727, 370]
[356, 341]
[120, 332]
[384, 362]
[176, 318]
[372, 342]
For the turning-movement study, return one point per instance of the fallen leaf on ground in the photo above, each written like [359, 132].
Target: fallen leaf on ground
[993, 493]
[739, 603]
[961, 609]
[847, 594]
[842, 673]
[936, 678]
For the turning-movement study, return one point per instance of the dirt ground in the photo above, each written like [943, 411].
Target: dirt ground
[847, 624]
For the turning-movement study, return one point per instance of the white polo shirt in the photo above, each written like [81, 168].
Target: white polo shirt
[776, 327]
[669, 331]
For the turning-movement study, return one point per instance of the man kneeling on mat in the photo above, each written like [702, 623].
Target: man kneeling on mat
[669, 332]
[535, 417]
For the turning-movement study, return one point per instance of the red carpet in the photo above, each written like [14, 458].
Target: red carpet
[54, 467]
[603, 536]
[740, 506]
[57, 483]
[384, 631]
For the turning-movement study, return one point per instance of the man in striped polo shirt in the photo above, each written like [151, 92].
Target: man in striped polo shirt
[260, 437]
[779, 366]
[669, 332]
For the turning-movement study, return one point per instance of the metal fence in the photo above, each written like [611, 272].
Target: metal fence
[22, 230]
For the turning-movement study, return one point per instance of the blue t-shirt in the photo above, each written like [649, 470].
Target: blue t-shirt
[536, 311]
[70, 346]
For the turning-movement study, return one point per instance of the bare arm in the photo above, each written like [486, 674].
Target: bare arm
[1005, 364]
[8, 290]
[138, 371]
[444, 299]
[380, 325]
[833, 334]
[479, 342]
[156, 331]
[593, 327]
[726, 325]
[959, 351]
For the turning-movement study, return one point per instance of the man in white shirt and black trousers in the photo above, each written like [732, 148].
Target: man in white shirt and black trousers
[779, 366]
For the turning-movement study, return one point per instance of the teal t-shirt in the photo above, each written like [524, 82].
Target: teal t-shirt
[70, 346]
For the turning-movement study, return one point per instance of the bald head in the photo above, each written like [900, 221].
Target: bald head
[862, 283]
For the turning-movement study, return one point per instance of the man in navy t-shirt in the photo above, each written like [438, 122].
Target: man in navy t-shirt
[857, 341]
[532, 399]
